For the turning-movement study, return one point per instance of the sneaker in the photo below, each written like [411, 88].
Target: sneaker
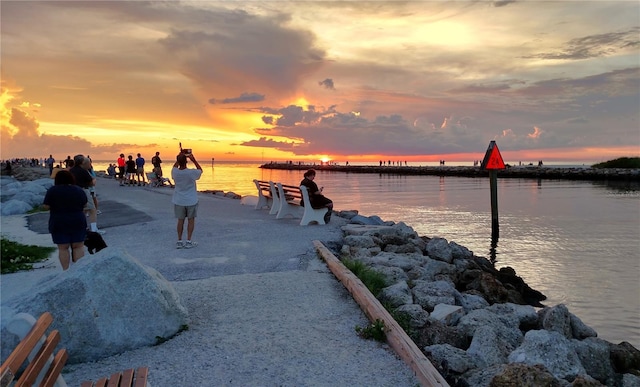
[101, 232]
[179, 244]
[98, 212]
[190, 244]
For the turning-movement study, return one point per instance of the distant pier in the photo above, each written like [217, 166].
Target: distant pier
[524, 172]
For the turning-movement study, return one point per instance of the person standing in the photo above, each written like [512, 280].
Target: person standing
[185, 196]
[317, 199]
[140, 169]
[131, 171]
[121, 165]
[157, 161]
[50, 162]
[80, 172]
[67, 222]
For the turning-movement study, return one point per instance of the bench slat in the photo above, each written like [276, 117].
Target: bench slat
[127, 378]
[141, 376]
[38, 363]
[55, 369]
[26, 345]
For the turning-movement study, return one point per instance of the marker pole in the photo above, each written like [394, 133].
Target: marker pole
[493, 182]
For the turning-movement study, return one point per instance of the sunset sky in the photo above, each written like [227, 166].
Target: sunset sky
[358, 81]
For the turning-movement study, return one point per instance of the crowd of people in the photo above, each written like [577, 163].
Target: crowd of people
[73, 202]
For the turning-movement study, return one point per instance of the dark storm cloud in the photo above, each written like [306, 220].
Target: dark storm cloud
[327, 83]
[244, 97]
[594, 46]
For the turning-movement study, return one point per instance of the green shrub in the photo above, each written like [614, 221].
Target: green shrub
[373, 280]
[16, 256]
[373, 331]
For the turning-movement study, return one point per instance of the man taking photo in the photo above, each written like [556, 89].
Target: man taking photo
[185, 196]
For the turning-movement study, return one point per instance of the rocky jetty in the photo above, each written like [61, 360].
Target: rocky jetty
[478, 325]
[24, 190]
[530, 172]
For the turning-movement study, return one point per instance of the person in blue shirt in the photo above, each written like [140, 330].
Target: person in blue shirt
[140, 170]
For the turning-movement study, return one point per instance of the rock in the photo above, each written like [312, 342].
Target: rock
[449, 358]
[509, 334]
[391, 274]
[481, 377]
[418, 317]
[516, 315]
[625, 358]
[579, 329]
[14, 207]
[471, 302]
[630, 380]
[487, 348]
[551, 349]
[459, 251]
[347, 214]
[556, 319]
[447, 314]
[488, 285]
[594, 357]
[524, 375]
[396, 294]
[359, 219]
[403, 261]
[435, 332]
[438, 248]
[109, 300]
[429, 294]
[360, 241]
[585, 381]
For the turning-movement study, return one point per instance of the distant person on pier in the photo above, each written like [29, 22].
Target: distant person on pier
[317, 199]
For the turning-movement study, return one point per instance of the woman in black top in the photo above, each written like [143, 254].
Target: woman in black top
[317, 199]
[67, 222]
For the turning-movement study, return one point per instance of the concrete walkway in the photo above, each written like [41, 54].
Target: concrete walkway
[264, 309]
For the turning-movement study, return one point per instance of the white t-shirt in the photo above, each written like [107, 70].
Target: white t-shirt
[185, 193]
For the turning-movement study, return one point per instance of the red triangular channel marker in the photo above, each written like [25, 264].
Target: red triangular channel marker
[493, 158]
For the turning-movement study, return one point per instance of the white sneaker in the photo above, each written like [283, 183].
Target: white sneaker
[190, 244]
[179, 244]
[101, 232]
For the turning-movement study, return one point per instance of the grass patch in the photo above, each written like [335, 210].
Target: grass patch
[373, 280]
[622, 162]
[373, 331]
[15, 256]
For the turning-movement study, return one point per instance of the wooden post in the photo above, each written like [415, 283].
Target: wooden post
[408, 351]
[493, 182]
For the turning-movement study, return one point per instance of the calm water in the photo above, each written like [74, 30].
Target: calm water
[575, 241]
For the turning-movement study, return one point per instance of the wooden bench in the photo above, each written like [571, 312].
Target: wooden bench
[290, 199]
[264, 194]
[44, 368]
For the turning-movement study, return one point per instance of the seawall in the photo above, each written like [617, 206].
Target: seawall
[526, 172]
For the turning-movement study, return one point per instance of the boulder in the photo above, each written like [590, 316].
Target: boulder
[359, 241]
[487, 348]
[551, 349]
[396, 294]
[524, 375]
[418, 317]
[471, 302]
[556, 319]
[103, 305]
[438, 248]
[15, 207]
[448, 314]
[594, 357]
[507, 330]
[450, 358]
[429, 294]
